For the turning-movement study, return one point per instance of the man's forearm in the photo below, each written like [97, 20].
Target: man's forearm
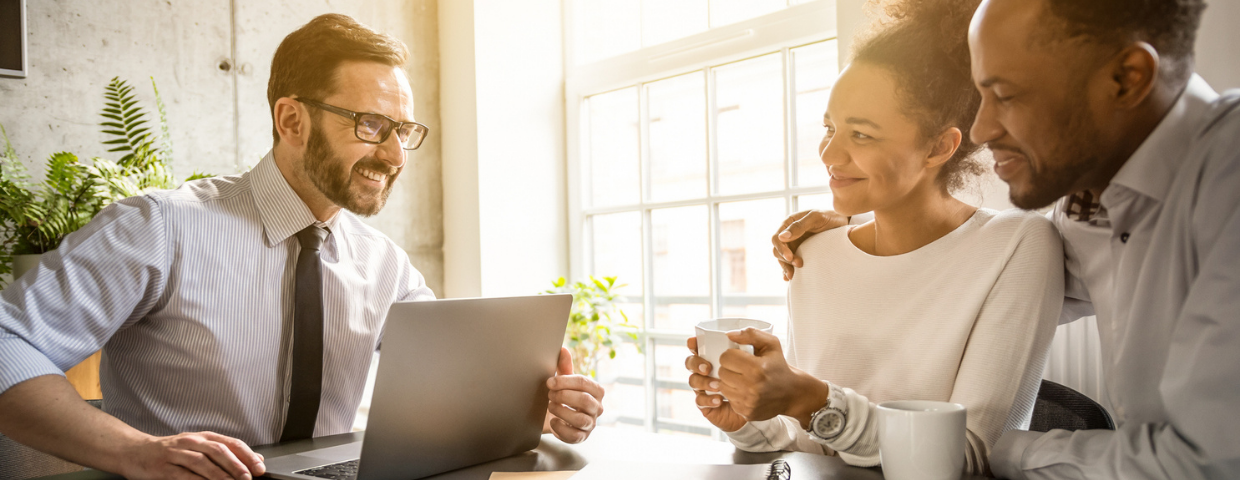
[47, 414]
[1154, 452]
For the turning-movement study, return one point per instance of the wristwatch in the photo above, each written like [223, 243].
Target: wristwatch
[829, 421]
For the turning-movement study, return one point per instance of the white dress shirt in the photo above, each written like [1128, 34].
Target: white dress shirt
[1162, 271]
[189, 293]
[966, 319]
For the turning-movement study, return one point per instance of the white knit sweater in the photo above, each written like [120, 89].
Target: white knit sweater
[966, 319]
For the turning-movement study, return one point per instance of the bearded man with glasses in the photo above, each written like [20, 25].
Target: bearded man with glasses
[243, 308]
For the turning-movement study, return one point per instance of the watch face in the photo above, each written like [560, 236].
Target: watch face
[828, 424]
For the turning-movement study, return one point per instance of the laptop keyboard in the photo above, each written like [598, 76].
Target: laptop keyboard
[336, 471]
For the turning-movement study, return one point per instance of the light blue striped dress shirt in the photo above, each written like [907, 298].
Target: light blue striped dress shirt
[189, 294]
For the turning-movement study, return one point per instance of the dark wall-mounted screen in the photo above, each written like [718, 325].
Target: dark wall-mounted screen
[12, 38]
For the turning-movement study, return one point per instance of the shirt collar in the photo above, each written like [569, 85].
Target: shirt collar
[1151, 169]
[282, 211]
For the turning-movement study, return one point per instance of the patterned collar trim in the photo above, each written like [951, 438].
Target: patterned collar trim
[1084, 206]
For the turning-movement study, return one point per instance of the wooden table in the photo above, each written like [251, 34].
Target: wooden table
[606, 444]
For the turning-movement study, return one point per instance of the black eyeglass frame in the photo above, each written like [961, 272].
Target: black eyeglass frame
[392, 124]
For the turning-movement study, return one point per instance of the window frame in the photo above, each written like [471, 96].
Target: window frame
[781, 31]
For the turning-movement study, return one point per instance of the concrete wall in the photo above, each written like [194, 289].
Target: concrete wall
[1216, 45]
[219, 117]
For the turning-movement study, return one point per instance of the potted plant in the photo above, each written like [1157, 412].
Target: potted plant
[596, 323]
[35, 218]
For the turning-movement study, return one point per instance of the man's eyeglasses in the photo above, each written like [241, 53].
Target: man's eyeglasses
[375, 128]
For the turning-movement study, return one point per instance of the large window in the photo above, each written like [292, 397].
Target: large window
[693, 131]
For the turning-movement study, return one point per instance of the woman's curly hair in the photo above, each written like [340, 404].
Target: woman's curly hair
[924, 44]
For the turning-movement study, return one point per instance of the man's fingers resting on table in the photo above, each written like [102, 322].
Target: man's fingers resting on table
[205, 450]
[202, 465]
[253, 461]
[195, 455]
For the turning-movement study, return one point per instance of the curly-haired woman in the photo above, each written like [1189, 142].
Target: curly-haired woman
[933, 299]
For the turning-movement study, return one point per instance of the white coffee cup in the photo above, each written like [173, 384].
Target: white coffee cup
[921, 439]
[712, 338]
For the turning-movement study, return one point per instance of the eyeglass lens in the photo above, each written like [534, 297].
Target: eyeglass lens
[373, 128]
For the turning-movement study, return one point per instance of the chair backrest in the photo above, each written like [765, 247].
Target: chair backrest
[1060, 407]
[19, 462]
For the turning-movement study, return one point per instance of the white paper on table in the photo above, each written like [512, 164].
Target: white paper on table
[531, 475]
[667, 471]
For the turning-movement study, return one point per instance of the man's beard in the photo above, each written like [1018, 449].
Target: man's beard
[333, 177]
[1061, 172]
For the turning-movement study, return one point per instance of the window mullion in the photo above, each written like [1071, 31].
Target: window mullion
[790, 134]
[652, 409]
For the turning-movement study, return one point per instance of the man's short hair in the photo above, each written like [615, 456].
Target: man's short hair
[1170, 26]
[305, 63]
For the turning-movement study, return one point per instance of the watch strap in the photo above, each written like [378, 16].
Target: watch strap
[837, 404]
[837, 399]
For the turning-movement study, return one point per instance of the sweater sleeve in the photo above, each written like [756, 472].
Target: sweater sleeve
[1001, 370]
[779, 434]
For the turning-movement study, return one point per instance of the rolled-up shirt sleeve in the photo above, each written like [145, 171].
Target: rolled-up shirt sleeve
[102, 278]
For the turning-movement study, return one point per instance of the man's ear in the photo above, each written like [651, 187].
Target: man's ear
[943, 147]
[1134, 72]
[292, 121]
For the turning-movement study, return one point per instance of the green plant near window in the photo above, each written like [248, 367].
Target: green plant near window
[35, 218]
[596, 323]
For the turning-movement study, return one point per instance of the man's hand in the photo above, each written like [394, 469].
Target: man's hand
[796, 229]
[574, 402]
[716, 410]
[47, 414]
[762, 385]
[192, 456]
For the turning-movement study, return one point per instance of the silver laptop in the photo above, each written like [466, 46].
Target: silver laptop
[460, 382]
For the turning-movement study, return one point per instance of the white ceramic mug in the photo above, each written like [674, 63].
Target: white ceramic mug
[712, 338]
[921, 440]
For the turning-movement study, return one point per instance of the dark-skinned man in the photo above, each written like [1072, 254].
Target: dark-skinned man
[1093, 106]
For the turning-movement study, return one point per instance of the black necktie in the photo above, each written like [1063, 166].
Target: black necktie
[303, 407]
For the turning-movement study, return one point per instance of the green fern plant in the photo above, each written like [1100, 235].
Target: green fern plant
[35, 218]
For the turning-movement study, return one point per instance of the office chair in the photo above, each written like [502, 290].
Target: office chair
[1060, 407]
[19, 462]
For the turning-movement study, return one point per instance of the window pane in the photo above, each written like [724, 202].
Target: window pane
[681, 267]
[750, 125]
[677, 138]
[605, 28]
[621, 377]
[674, 398]
[613, 151]
[667, 20]
[816, 68]
[618, 252]
[752, 281]
[723, 12]
[815, 202]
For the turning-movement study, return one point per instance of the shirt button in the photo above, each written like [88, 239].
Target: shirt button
[1123, 237]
